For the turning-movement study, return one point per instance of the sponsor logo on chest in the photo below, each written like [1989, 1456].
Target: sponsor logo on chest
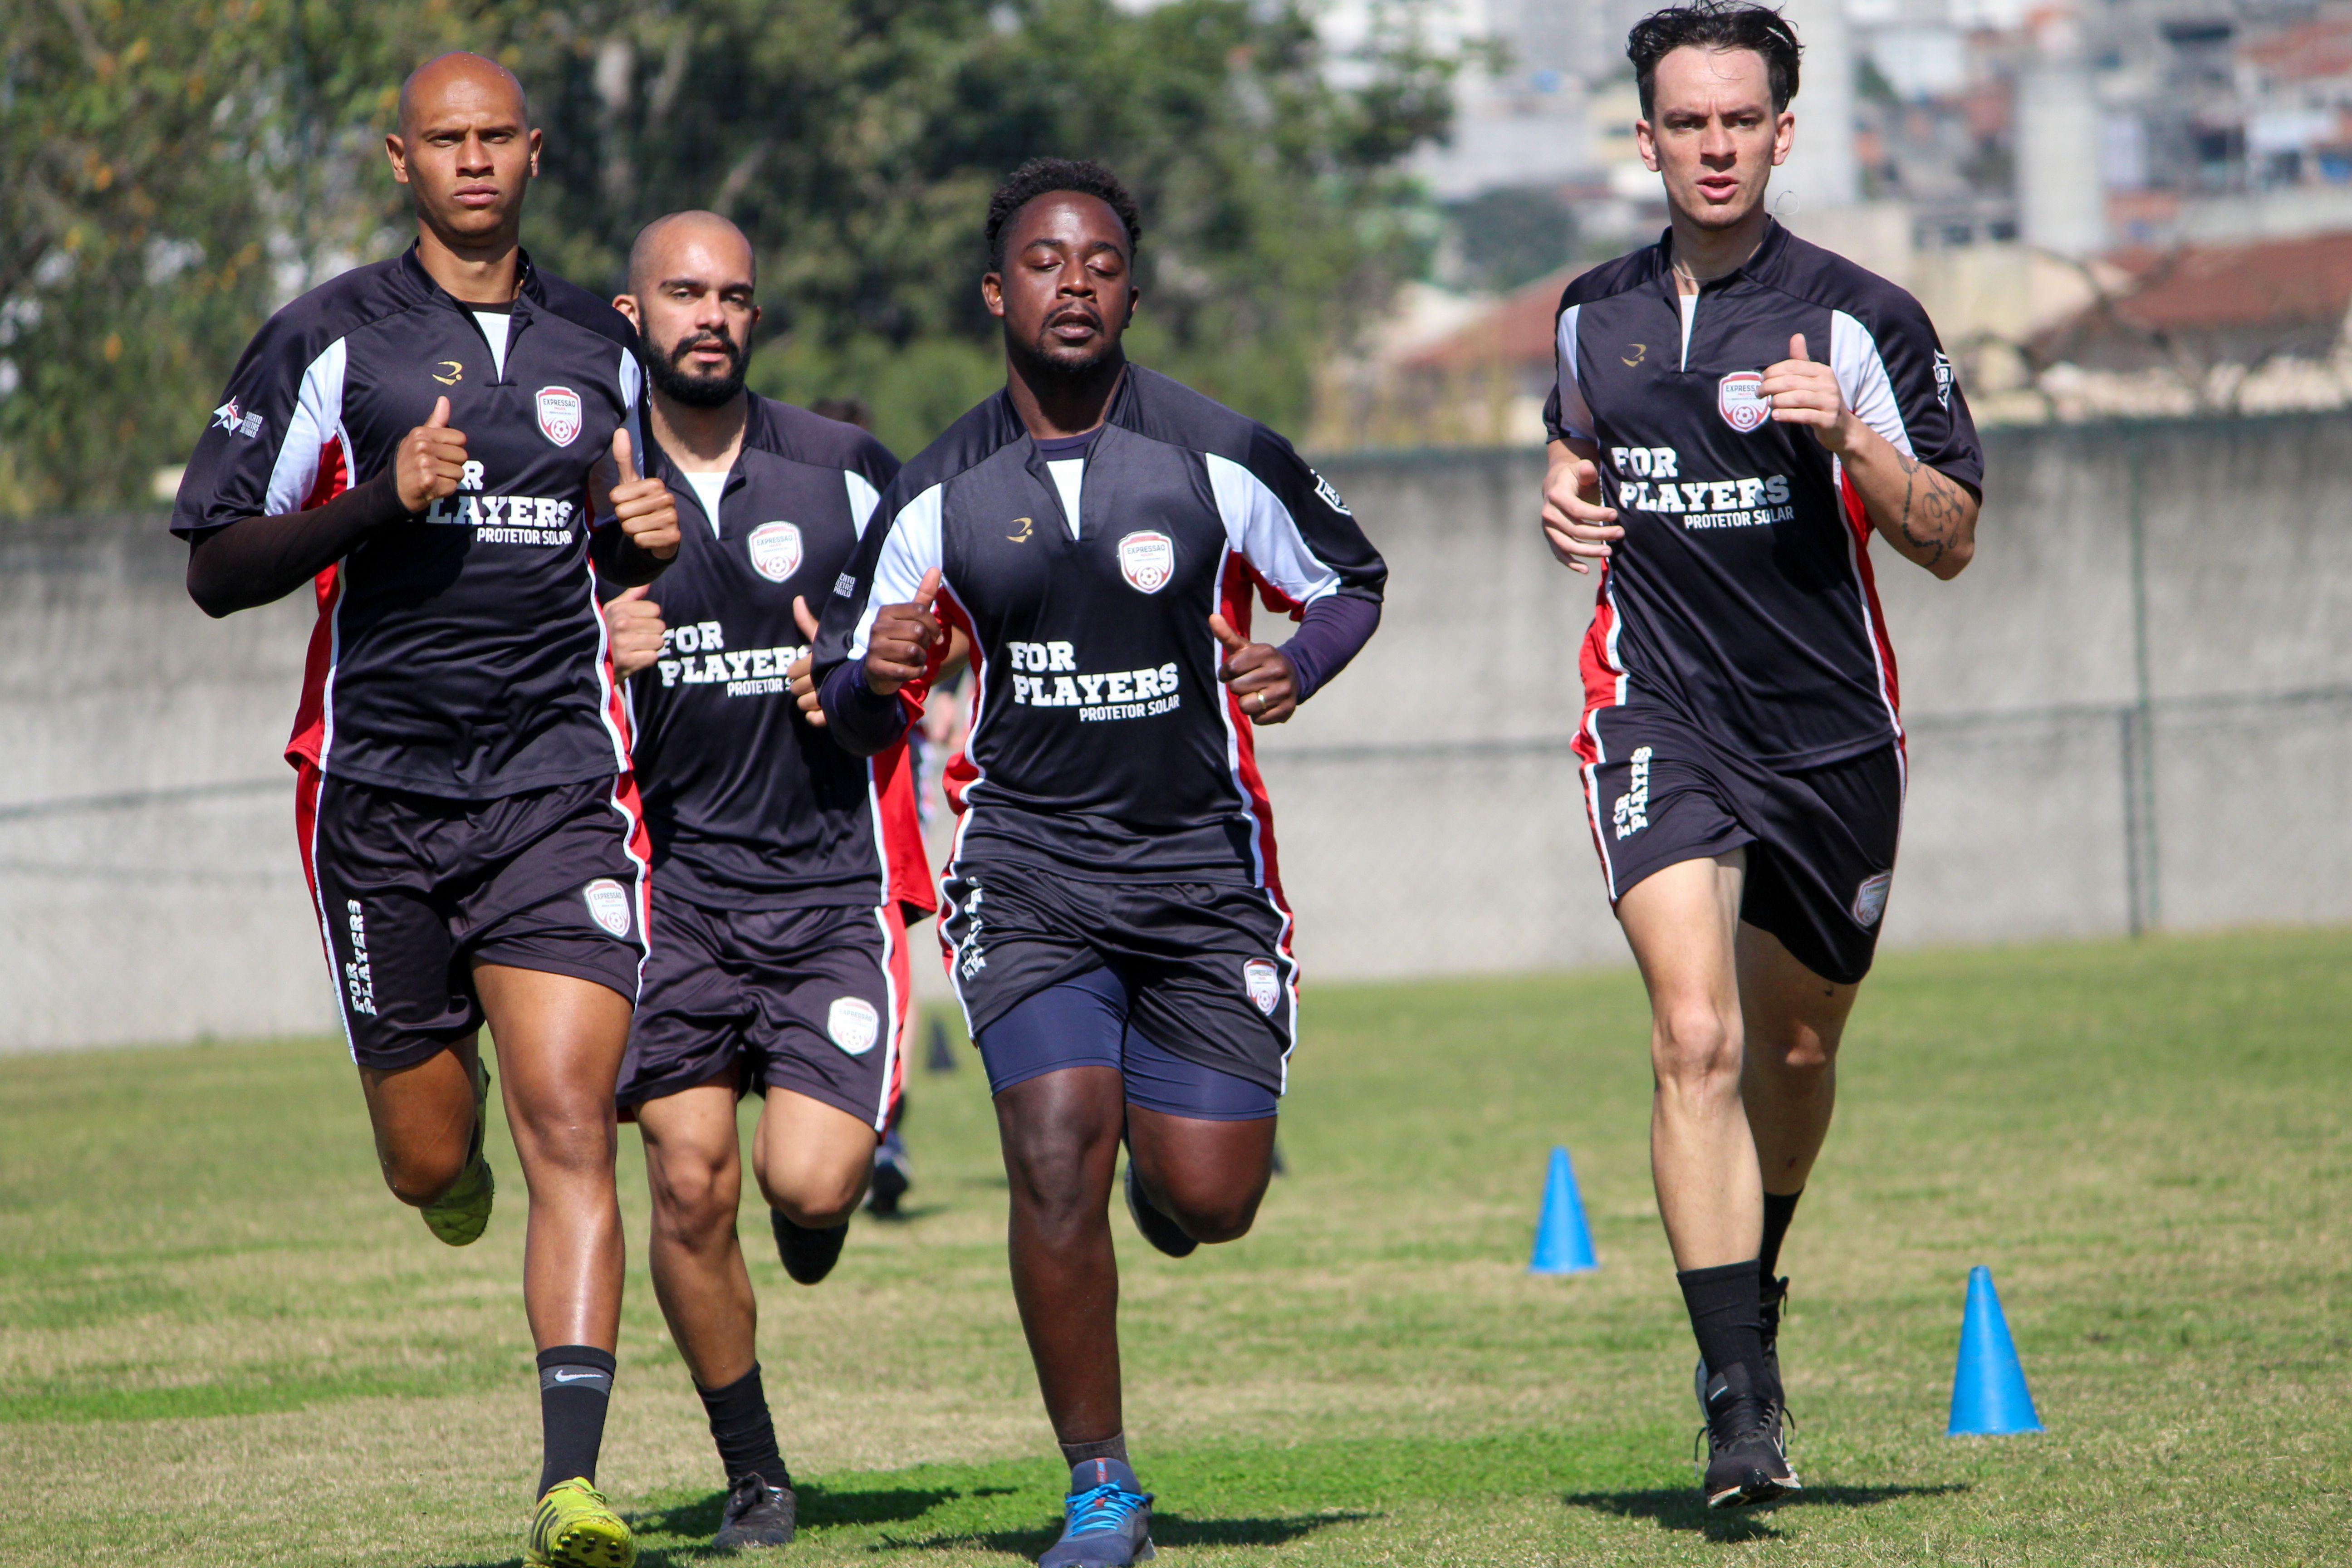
[1147, 560]
[697, 655]
[1114, 694]
[776, 549]
[1739, 398]
[559, 414]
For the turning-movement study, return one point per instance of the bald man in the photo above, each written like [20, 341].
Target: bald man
[786, 870]
[441, 445]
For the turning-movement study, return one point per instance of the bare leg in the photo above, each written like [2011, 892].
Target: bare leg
[560, 1041]
[813, 1160]
[1061, 1134]
[1789, 1079]
[1207, 1177]
[696, 1171]
[1682, 923]
[424, 1121]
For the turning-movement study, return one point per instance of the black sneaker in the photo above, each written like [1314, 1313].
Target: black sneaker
[809, 1255]
[757, 1515]
[1157, 1228]
[1744, 1462]
[890, 1179]
[1775, 1300]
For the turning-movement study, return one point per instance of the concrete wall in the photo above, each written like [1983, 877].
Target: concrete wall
[1429, 814]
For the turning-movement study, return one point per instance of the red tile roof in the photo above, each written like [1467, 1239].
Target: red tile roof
[2270, 283]
[1517, 331]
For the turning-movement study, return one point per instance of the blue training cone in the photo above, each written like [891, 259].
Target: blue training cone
[1563, 1241]
[1989, 1393]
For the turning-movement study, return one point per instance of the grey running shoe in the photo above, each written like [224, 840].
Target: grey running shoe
[757, 1515]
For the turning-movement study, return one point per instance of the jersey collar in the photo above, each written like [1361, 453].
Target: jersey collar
[1763, 267]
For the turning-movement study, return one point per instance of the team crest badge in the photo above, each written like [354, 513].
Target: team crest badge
[1739, 398]
[1263, 985]
[1943, 378]
[776, 549]
[608, 906]
[1870, 898]
[854, 1024]
[559, 414]
[1147, 560]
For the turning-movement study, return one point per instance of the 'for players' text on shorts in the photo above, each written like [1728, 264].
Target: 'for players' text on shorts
[1821, 842]
[1207, 966]
[809, 1000]
[413, 890]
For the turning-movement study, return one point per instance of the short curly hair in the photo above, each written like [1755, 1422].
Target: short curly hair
[1715, 25]
[1044, 176]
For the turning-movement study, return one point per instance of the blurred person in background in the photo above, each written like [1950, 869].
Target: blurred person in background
[440, 444]
[786, 870]
[1118, 937]
[1736, 413]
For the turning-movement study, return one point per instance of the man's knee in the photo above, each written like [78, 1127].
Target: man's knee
[1695, 1046]
[1793, 1049]
[420, 1176]
[817, 1196]
[1214, 1217]
[695, 1195]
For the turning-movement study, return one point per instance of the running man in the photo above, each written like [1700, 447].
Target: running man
[1736, 412]
[440, 444]
[785, 870]
[1117, 933]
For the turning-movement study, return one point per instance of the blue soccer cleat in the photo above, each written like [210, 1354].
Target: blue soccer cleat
[1108, 1519]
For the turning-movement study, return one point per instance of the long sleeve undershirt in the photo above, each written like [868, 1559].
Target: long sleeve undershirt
[258, 560]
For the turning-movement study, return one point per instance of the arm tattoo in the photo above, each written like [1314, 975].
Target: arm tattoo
[1940, 508]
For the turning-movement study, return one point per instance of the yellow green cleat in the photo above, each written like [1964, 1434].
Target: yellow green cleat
[576, 1528]
[463, 1212]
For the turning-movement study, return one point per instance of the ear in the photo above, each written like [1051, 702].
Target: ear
[397, 151]
[534, 153]
[991, 293]
[627, 305]
[1784, 136]
[1645, 142]
[1134, 298]
[755, 317]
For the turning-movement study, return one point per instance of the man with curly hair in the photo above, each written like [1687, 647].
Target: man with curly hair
[1117, 933]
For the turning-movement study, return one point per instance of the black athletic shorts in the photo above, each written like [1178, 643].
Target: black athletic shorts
[1820, 841]
[812, 1000]
[1207, 966]
[413, 890]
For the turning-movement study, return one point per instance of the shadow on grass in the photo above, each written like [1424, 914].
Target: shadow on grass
[1167, 1529]
[1679, 1507]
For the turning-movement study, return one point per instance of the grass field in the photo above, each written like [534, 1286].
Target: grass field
[221, 1342]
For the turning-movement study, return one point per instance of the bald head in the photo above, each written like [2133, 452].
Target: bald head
[697, 244]
[462, 83]
[690, 285]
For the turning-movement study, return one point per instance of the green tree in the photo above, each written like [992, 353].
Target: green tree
[169, 171]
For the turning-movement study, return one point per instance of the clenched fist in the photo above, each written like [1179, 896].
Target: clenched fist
[430, 461]
[634, 626]
[898, 647]
[644, 508]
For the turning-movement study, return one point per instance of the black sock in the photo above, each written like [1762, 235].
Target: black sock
[575, 1388]
[1723, 1314]
[745, 1433]
[1778, 1210]
[1111, 1447]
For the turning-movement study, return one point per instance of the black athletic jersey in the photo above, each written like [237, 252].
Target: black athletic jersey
[1102, 740]
[1741, 596]
[461, 653]
[750, 807]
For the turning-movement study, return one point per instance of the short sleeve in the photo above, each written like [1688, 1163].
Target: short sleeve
[1894, 373]
[1567, 417]
[275, 443]
[1291, 525]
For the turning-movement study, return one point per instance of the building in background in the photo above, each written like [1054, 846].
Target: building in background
[2074, 191]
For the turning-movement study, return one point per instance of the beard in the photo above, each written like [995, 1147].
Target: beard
[1053, 360]
[699, 391]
